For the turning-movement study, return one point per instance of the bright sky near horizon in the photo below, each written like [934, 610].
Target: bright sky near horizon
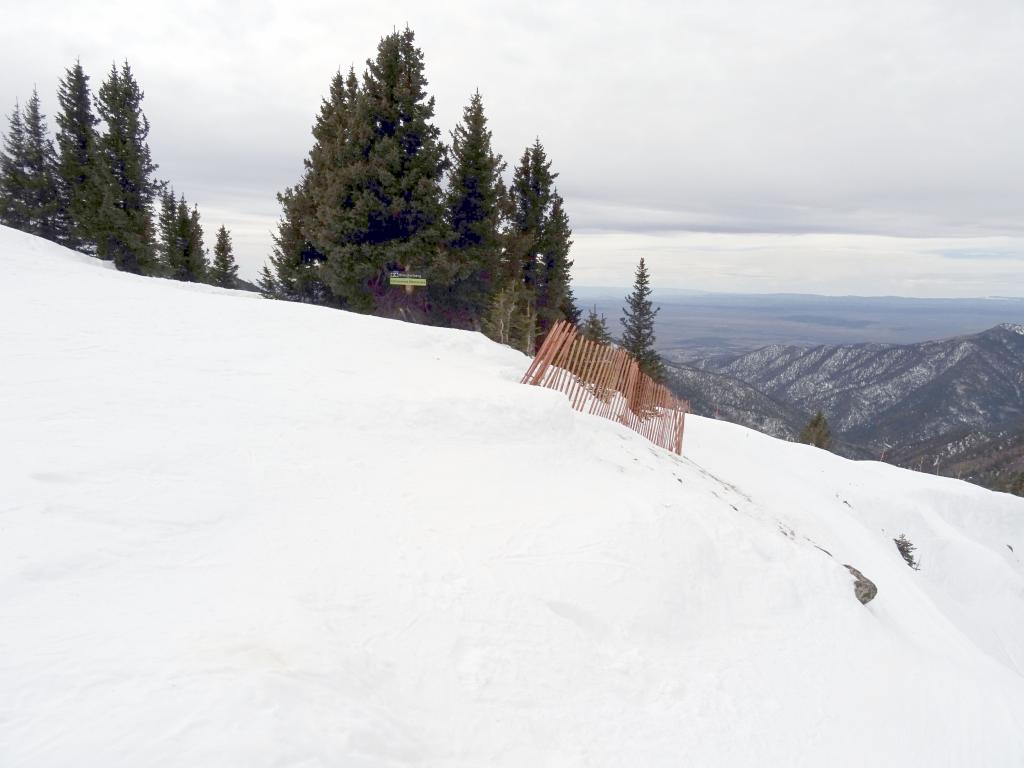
[812, 146]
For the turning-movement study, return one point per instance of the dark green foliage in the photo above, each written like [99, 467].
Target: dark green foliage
[76, 147]
[817, 433]
[29, 198]
[123, 229]
[638, 325]
[376, 205]
[181, 250]
[167, 229]
[907, 551]
[555, 300]
[595, 327]
[530, 205]
[462, 275]
[224, 270]
[194, 263]
[371, 202]
[14, 174]
[538, 241]
[294, 271]
[511, 318]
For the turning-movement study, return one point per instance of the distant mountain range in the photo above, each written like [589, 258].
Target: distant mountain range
[697, 326]
[955, 406]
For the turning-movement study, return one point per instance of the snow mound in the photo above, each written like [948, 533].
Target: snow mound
[237, 532]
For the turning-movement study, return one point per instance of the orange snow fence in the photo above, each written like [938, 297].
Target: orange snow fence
[607, 381]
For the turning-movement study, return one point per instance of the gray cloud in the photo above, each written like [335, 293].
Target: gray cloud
[752, 119]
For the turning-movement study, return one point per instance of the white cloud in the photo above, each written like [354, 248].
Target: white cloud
[840, 118]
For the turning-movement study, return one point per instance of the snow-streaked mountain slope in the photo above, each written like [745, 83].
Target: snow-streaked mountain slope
[236, 532]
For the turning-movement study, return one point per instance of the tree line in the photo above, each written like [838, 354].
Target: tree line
[96, 190]
[382, 193]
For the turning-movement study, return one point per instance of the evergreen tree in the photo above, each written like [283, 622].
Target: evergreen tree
[124, 230]
[167, 229]
[224, 270]
[595, 327]
[538, 241]
[512, 318]
[29, 198]
[463, 275]
[45, 216]
[186, 256]
[294, 269]
[14, 205]
[379, 209]
[817, 433]
[907, 549]
[195, 250]
[530, 202]
[76, 146]
[638, 325]
[555, 300]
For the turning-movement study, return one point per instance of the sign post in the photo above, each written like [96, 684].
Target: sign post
[409, 279]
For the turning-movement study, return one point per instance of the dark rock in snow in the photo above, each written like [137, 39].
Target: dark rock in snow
[863, 588]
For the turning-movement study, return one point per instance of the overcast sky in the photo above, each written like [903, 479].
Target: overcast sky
[830, 146]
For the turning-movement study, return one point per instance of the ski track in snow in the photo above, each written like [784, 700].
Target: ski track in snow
[236, 532]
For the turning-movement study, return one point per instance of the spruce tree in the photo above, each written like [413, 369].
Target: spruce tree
[76, 147]
[817, 433]
[167, 230]
[29, 198]
[195, 249]
[638, 325]
[907, 548]
[224, 270]
[530, 201]
[294, 270]
[45, 216]
[512, 318]
[538, 240]
[185, 254]
[380, 208]
[124, 230]
[14, 205]
[555, 300]
[463, 275]
[595, 327]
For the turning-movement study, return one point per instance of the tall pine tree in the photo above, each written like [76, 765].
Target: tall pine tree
[124, 229]
[379, 209]
[555, 300]
[76, 148]
[530, 204]
[294, 270]
[167, 230]
[29, 198]
[224, 270]
[184, 252]
[14, 205]
[595, 327]
[45, 215]
[463, 275]
[638, 325]
[538, 240]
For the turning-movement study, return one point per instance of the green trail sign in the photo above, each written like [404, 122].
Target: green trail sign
[407, 278]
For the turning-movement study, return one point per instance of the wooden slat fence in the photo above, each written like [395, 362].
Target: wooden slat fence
[607, 381]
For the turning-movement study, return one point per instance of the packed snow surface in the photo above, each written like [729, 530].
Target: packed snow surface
[236, 532]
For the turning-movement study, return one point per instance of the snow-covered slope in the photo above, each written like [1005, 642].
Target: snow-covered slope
[236, 532]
